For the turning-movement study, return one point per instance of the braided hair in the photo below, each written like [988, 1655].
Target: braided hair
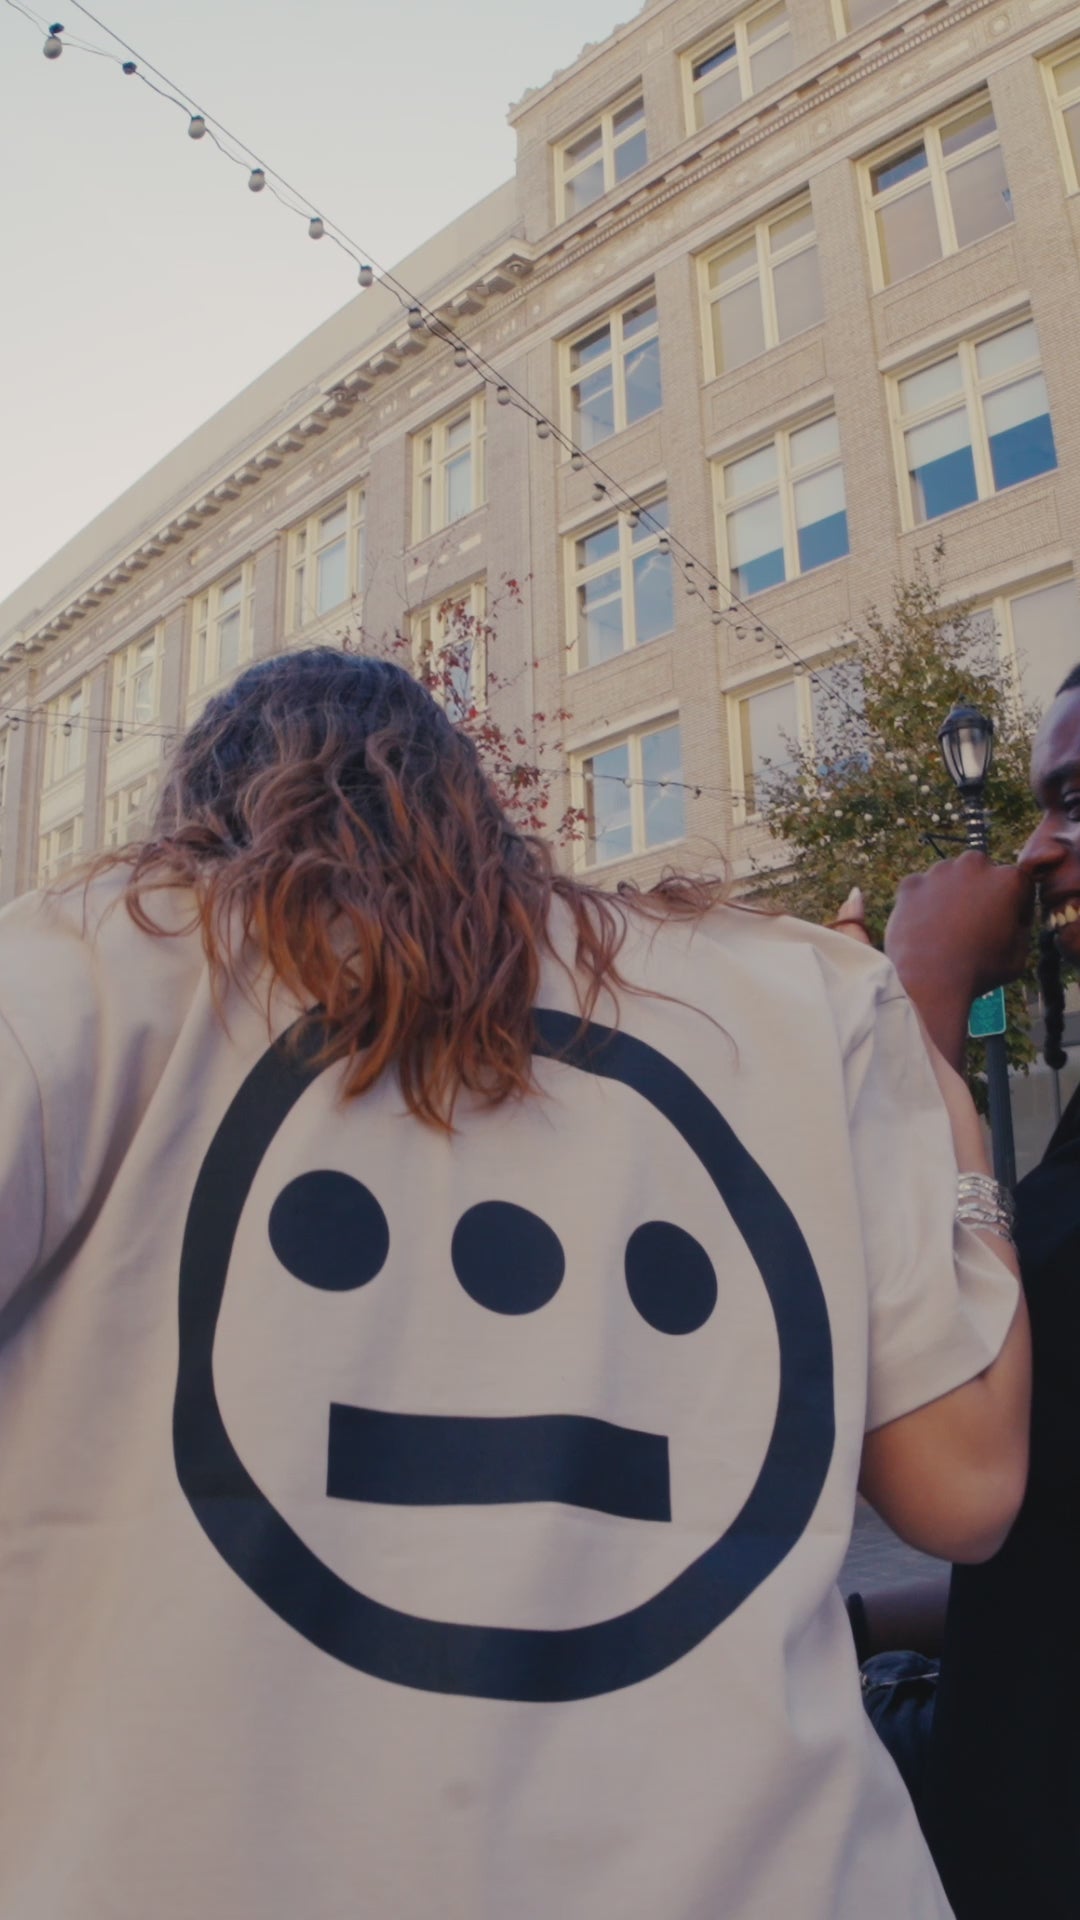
[1051, 984]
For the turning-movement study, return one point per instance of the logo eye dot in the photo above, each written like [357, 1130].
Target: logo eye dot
[506, 1258]
[670, 1278]
[329, 1231]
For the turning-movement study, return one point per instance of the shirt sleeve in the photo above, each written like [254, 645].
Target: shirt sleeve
[940, 1300]
[22, 1166]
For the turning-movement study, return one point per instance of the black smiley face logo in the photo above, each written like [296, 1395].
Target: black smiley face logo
[329, 1231]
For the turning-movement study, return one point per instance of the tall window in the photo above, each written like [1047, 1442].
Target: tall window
[608, 151]
[221, 633]
[66, 736]
[854, 14]
[1063, 77]
[771, 724]
[939, 190]
[614, 372]
[763, 287]
[975, 422]
[783, 507]
[125, 813]
[326, 560]
[622, 585]
[747, 57]
[448, 469]
[449, 647]
[633, 795]
[58, 850]
[1038, 630]
[135, 687]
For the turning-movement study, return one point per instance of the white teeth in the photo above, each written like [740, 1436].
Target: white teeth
[1063, 917]
[1072, 913]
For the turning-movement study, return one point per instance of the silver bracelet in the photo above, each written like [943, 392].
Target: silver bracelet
[985, 1205]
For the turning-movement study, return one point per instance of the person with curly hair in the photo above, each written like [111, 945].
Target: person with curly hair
[445, 1313]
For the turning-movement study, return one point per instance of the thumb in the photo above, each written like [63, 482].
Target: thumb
[851, 918]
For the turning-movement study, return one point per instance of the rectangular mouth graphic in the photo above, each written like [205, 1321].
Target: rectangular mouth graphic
[438, 1460]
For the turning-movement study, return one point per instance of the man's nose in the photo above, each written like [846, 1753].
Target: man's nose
[1043, 851]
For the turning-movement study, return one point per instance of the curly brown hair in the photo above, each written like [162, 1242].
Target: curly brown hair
[330, 819]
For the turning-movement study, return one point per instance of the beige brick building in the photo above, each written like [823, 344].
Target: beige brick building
[802, 280]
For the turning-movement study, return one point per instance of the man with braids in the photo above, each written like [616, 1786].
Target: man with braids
[445, 1312]
[1000, 1795]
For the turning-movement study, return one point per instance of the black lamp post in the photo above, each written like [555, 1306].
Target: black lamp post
[967, 747]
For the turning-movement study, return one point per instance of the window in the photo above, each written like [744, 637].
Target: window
[633, 795]
[610, 150]
[66, 735]
[124, 813]
[1063, 77]
[773, 722]
[783, 507]
[975, 422]
[448, 469]
[614, 372]
[622, 585]
[58, 850]
[449, 640]
[221, 639]
[326, 561]
[1038, 630]
[752, 52]
[939, 191]
[135, 687]
[763, 287]
[859, 13]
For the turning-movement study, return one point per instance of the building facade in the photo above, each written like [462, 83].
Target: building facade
[799, 277]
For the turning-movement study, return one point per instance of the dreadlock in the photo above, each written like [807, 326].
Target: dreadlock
[1051, 984]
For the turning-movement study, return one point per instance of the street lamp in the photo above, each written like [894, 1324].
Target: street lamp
[966, 739]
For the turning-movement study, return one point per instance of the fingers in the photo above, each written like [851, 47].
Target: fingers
[851, 919]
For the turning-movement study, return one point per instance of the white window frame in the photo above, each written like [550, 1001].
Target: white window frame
[655, 541]
[1059, 102]
[971, 393]
[305, 548]
[618, 351]
[432, 457]
[1000, 606]
[430, 637]
[66, 734]
[744, 810]
[766, 263]
[207, 617]
[843, 23]
[938, 168]
[784, 485]
[135, 667]
[734, 34]
[631, 738]
[604, 123]
[122, 807]
[52, 861]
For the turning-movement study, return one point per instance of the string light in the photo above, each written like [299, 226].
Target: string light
[256, 179]
[199, 124]
[54, 46]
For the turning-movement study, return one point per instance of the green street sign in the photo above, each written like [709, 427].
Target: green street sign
[987, 1015]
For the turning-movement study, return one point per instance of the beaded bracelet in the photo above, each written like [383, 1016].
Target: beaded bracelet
[985, 1205]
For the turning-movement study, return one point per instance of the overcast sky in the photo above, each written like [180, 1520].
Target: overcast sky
[144, 285]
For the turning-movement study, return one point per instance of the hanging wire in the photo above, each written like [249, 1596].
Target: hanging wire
[738, 615]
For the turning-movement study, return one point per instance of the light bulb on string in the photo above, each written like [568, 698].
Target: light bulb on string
[415, 319]
[54, 46]
[599, 490]
[128, 67]
[366, 275]
[256, 180]
[316, 228]
[196, 127]
[461, 357]
[543, 430]
[502, 395]
[577, 461]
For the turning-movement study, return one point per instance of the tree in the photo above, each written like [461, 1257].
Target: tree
[460, 670]
[867, 799]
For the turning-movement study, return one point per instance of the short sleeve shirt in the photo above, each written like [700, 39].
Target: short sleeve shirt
[412, 1523]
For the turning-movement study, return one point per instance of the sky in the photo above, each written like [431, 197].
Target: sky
[143, 284]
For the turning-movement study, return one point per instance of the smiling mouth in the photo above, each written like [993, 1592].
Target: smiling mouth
[1057, 917]
[437, 1460]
